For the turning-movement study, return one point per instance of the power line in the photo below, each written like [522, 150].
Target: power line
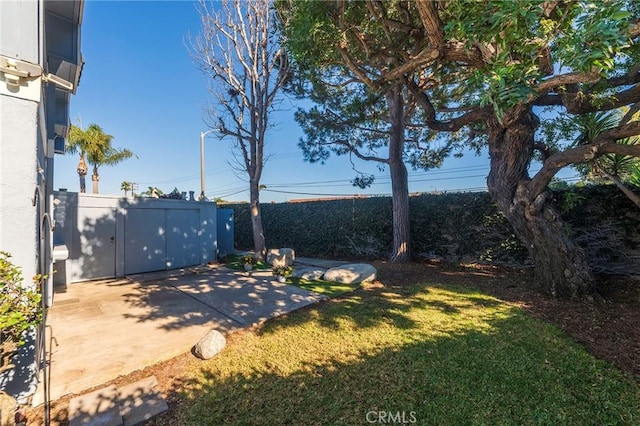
[185, 178]
[213, 194]
[323, 194]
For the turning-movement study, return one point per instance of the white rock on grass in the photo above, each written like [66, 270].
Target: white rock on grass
[310, 274]
[351, 273]
[211, 344]
[281, 257]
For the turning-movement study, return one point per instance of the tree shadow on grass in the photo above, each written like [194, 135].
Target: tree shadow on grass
[392, 304]
[496, 375]
[490, 364]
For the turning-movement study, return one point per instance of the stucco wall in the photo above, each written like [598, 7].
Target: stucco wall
[18, 163]
[27, 123]
[19, 219]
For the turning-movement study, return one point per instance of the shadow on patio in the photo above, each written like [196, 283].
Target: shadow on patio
[104, 329]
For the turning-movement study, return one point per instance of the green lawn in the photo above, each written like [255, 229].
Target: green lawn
[328, 288]
[439, 355]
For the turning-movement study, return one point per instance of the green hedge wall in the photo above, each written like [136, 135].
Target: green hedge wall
[456, 226]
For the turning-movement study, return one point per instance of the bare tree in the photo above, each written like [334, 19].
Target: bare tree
[238, 50]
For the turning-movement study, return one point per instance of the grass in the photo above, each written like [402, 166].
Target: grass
[328, 288]
[436, 354]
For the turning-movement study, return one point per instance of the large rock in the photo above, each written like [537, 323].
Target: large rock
[281, 257]
[351, 273]
[211, 344]
[310, 274]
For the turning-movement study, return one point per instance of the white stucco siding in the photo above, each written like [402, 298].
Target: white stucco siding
[18, 180]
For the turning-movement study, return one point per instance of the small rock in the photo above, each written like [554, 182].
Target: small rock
[310, 274]
[211, 344]
[281, 257]
[352, 273]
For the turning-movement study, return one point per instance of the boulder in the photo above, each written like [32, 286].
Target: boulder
[281, 257]
[211, 344]
[310, 274]
[351, 273]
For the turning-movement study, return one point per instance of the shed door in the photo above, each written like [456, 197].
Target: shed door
[96, 232]
[144, 249]
[183, 239]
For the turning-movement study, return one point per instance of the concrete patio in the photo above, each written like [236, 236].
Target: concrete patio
[99, 330]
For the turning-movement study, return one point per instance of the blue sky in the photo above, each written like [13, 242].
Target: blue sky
[141, 86]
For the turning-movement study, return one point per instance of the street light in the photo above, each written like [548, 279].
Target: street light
[202, 135]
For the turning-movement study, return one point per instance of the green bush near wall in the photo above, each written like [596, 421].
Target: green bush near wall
[456, 226]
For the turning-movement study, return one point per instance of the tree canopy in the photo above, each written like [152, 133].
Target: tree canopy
[496, 71]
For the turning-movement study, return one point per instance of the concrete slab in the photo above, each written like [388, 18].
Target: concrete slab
[130, 405]
[140, 401]
[321, 263]
[99, 408]
[249, 298]
[111, 328]
[100, 330]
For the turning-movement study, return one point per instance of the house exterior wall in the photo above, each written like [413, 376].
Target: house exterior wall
[33, 119]
[18, 181]
[20, 30]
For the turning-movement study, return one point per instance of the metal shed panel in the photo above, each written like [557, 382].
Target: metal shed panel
[183, 239]
[144, 247]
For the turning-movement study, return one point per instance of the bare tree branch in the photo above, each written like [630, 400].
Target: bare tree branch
[239, 51]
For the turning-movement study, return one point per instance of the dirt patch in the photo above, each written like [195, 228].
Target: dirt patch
[608, 327]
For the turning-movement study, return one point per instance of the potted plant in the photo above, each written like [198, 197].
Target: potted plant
[282, 272]
[248, 260]
[20, 308]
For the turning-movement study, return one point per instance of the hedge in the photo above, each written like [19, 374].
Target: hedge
[453, 226]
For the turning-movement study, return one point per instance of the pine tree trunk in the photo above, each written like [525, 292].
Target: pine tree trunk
[399, 178]
[561, 267]
[259, 244]
[400, 203]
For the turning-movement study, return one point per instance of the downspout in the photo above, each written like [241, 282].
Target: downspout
[46, 225]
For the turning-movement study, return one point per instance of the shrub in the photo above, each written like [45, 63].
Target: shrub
[283, 271]
[20, 307]
[456, 227]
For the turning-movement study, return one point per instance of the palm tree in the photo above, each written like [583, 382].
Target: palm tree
[126, 187]
[95, 144]
[613, 167]
[153, 192]
[77, 142]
